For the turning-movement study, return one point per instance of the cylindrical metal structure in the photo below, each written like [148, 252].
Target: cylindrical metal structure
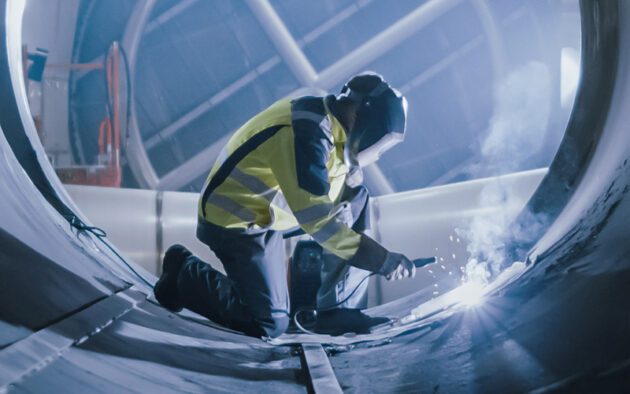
[73, 318]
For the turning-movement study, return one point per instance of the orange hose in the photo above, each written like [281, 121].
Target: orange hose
[101, 137]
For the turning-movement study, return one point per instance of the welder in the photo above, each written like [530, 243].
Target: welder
[296, 166]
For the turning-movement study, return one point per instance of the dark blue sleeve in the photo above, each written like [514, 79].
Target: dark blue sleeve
[313, 144]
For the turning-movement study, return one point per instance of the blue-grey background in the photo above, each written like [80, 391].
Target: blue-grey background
[194, 51]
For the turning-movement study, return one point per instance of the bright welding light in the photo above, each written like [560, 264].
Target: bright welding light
[470, 294]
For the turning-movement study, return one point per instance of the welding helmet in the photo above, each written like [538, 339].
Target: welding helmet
[380, 122]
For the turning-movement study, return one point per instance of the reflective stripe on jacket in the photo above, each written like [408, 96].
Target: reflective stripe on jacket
[282, 169]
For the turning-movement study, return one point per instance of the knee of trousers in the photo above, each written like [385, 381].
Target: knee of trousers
[273, 326]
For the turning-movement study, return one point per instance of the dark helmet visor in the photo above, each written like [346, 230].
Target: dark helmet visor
[381, 124]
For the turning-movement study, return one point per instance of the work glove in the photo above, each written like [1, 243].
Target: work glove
[398, 266]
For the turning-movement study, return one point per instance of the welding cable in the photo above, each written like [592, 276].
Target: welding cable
[328, 308]
[101, 235]
[418, 263]
[125, 60]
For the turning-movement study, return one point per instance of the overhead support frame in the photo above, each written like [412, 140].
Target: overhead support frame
[169, 14]
[284, 42]
[383, 42]
[295, 59]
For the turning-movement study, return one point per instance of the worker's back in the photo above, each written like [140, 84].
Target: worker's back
[243, 189]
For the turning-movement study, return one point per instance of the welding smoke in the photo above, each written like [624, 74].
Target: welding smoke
[516, 132]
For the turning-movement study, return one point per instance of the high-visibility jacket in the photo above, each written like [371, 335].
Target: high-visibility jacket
[282, 169]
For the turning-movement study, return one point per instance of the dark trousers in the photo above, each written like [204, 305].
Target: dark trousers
[253, 297]
[340, 281]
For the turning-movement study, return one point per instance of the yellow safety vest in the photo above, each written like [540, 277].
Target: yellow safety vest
[271, 175]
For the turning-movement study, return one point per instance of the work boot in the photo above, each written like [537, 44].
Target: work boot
[165, 289]
[342, 320]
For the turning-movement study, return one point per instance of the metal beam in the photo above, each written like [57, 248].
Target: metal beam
[198, 111]
[457, 170]
[332, 22]
[136, 154]
[320, 372]
[441, 65]
[283, 41]
[361, 57]
[379, 181]
[193, 168]
[169, 14]
[212, 102]
[352, 63]
[203, 161]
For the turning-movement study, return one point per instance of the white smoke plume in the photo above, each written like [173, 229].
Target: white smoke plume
[522, 104]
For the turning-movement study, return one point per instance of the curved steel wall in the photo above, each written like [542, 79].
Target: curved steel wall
[73, 318]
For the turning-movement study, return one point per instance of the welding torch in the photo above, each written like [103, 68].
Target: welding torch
[421, 262]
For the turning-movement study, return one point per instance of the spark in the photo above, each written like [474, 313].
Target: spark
[471, 294]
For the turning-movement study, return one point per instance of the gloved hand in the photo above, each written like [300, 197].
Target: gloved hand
[402, 267]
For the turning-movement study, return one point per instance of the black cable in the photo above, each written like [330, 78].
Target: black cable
[108, 98]
[418, 263]
[100, 234]
[328, 308]
[129, 95]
